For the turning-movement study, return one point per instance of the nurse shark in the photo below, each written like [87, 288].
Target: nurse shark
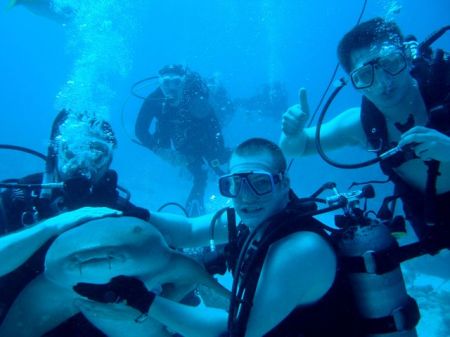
[95, 252]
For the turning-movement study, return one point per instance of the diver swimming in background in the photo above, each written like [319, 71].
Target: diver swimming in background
[186, 129]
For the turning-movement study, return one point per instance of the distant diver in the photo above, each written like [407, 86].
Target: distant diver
[179, 124]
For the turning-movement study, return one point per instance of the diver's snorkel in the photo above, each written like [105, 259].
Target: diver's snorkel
[417, 51]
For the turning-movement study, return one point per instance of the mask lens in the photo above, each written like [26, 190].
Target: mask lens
[393, 63]
[171, 82]
[260, 182]
[230, 185]
[362, 77]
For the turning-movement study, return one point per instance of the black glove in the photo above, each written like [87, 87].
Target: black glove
[118, 289]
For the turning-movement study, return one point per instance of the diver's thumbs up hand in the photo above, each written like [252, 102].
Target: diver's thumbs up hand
[303, 98]
[294, 119]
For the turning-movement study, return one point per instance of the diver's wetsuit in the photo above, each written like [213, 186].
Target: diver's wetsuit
[16, 204]
[434, 85]
[191, 129]
[333, 315]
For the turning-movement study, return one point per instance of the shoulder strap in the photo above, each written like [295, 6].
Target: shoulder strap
[251, 258]
[374, 125]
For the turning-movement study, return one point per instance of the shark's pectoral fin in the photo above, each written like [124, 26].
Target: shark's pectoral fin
[39, 308]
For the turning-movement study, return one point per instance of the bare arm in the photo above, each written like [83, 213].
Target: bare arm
[281, 288]
[189, 321]
[343, 130]
[180, 231]
[39, 308]
[17, 247]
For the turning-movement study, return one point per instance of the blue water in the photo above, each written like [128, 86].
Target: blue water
[91, 63]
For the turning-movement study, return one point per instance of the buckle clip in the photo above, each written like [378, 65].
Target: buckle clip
[369, 261]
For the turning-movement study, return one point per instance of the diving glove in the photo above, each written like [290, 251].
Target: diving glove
[120, 288]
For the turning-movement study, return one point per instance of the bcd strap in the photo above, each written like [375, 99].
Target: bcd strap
[371, 262]
[402, 318]
[384, 261]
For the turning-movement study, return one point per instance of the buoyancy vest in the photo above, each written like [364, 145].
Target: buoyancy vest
[334, 314]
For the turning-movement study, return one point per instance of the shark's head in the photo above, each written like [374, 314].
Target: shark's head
[101, 249]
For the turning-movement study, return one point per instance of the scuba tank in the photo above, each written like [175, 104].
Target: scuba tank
[379, 296]
[367, 252]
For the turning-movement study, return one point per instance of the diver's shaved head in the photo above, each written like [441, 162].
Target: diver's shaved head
[256, 146]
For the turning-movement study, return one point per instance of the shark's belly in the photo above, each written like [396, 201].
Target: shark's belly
[101, 249]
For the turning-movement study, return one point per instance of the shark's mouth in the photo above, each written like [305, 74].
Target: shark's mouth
[100, 257]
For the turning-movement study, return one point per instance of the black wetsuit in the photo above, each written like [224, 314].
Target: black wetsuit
[191, 129]
[333, 315]
[18, 206]
[434, 85]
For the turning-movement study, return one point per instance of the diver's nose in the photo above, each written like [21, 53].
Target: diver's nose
[246, 193]
[382, 79]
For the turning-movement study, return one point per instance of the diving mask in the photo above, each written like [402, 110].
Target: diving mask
[393, 64]
[172, 85]
[88, 159]
[260, 182]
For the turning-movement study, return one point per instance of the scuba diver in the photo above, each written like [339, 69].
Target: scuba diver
[291, 277]
[404, 117]
[186, 129]
[35, 209]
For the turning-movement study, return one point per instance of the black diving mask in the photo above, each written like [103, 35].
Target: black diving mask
[393, 64]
